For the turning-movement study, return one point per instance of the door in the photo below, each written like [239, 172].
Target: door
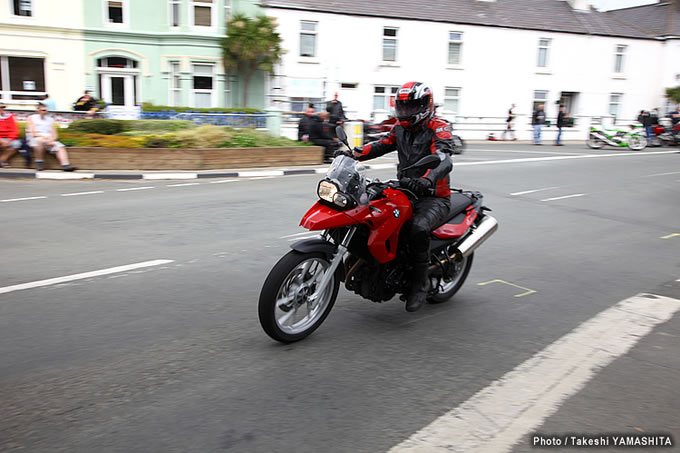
[118, 89]
[568, 100]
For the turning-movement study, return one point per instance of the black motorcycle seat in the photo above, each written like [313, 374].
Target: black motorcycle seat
[459, 202]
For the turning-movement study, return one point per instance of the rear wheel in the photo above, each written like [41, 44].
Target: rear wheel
[286, 311]
[447, 289]
[594, 142]
[637, 142]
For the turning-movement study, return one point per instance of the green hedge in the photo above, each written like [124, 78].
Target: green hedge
[159, 108]
[114, 127]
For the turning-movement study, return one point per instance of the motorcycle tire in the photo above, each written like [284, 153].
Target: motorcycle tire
[451, 288]
[288, 279]
[458, 145]
[594, 142]
[637, 142]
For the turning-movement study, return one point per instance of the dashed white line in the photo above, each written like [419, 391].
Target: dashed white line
[70, 278]
[566, 196]
[74, 194]
[21, 199]
[304, 237]
[184, 184]
[261, 177]
[500, 415]
[293, 235]
[222, 181]
[661, 174]
[532, 191]
[134, 188]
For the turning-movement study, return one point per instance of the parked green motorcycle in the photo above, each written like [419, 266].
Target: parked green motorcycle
[633, 138]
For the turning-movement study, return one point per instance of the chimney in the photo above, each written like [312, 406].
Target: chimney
[579, 5]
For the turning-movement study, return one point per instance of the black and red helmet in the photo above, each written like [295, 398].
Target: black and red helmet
[414, 104]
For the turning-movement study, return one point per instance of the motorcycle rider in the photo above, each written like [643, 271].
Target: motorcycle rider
[417, 134]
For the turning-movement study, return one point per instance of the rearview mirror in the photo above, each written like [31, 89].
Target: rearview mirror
[342, 136]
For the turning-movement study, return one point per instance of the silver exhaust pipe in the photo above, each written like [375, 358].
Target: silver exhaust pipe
[481, 233]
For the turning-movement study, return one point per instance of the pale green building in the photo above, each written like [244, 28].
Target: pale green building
[166, 52]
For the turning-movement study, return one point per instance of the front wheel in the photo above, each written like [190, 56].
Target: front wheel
[637, 142]
[286, 311]
[446, 289]
[458, 145]
[594, 142]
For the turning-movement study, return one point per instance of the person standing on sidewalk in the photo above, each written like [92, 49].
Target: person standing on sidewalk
[336, 113]
[561, 116]
[510, 126]
[538, 120]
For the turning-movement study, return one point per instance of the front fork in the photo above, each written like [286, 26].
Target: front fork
[335, 262]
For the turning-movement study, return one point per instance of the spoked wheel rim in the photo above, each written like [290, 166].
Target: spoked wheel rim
[460, 267]
[637, 143]
[295, 311]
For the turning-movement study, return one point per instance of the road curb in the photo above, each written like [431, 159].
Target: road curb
[176, 175]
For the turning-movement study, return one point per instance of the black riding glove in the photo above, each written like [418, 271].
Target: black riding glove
[419, 186]
[343, 152]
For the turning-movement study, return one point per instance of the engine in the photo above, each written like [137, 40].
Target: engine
[372, 280]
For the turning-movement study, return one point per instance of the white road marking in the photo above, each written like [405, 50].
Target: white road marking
[321, 170]
[248, 174]
[499, 416]
[661, 174]
[296, 234]
[21, 199]
[70, 278]
[541, 159]
[527, 152]
[183, 184]
[170, 176]
[534, 190]
[260, 177]
[81, 193]
[41, 175]
[566, 196]
[379, 166]
[134, 188]
[222, 181]
[304, 237]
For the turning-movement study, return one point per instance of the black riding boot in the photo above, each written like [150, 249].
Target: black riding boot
[420, 284]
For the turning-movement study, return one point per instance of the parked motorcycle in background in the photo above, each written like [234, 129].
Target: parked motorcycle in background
[361, 221]
[633, 138]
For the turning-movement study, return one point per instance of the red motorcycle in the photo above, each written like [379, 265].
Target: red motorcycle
[361, 221]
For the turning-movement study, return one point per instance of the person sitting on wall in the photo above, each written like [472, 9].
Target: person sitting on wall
[319, 134]
[41, 132]
[9, 136]
[86, 103]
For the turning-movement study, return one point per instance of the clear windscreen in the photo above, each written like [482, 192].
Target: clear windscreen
[350, 177]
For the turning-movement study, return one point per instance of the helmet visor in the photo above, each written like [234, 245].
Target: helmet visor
[408, 108]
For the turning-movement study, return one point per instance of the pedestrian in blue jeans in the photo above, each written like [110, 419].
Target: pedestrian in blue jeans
[538, 120]
[560, 124]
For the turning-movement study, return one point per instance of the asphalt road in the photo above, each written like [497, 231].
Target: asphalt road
[171, 358]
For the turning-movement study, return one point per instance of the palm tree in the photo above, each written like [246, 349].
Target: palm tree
[251, 45]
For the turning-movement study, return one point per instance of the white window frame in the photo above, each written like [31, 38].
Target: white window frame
[615, 100]
[394, 38]
[620, 58]
[30, 8]
[174, 73]
[540, 97]
[314, 33]
[452, 97]
[456, 42]
[227, 10]
[194, 91]
[213, 13]
[6, 92]
[126, 14]
[171, 4]
[546, 48]
[388, 91]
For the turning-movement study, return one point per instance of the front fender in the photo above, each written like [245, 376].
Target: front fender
[322, 246]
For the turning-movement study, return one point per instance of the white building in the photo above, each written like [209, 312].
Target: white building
[479, 56]
[41, 51]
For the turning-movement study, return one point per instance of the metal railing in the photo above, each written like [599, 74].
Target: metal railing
[237, 119]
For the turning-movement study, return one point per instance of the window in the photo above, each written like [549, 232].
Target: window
[389, 44]
[615, 104]
[455, 47]
[175, 84]
[203, 11]
[618, 59]
[540, 97]
[307, 39]
[174, 13]
[116, 62]
[383, 97]
[451, 99]
[543, 49]
[203, 85]
[227, 10]
[25, 77]
[114, 12]
[22, 8]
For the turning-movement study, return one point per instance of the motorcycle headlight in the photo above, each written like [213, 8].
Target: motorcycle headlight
[327, 191]
[340, 200]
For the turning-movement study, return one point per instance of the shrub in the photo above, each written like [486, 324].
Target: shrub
[204, 137]
[168, 140]
[159, 125]
[99, 126]
[146, 107]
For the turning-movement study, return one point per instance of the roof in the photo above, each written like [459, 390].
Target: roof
[546, 15]
[661, 19]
